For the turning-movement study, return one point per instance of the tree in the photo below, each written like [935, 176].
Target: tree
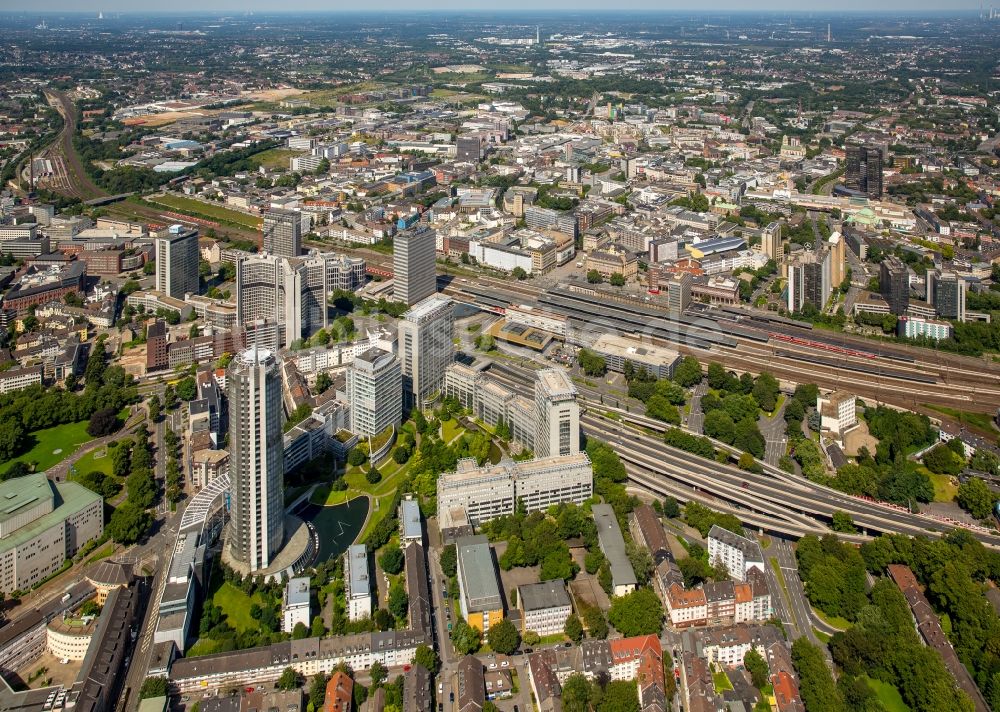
[765, 391]
[594, 277]
[816, 685]
[129, 523]
[842, 522]
[660, 408]
[11, 438]
[617, 280]
[597, 626]
[300, 631]
[399, 602]
[391, 559]
[942, 460]
[317, 629]
[637, 613]
[155, 407]
[591, 363]
[694, 570]
[573, 628]
[465, 638]
[449, 560]
[289, 679]
[378, 673]
[503, 637]
[153, 687]
[688, 372]
[383, 619]
[426, 656]
[719, 425]
[356, 457]
[373, 476]
[671, 508]
[576, 693]
[187, 389]
[103, 422]
[518, 273]
[323, 382]
[756, 665]
[975, 497]
[619, 696]
[317, 690]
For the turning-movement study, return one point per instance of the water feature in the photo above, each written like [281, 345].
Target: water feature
[337, 526]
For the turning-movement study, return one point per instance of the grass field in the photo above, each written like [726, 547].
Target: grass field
[721, 681]
[275, 158]
[834, 621]
[978, 421]
[236, 605]
[888, 695]
[202, 209]
[98, 459]
[53, 445]
[204, 646]
[944, 489]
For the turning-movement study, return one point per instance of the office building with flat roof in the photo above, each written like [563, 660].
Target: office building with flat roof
[658, 361]
[558, 413]
[426, 349]
[282, 233]
[43, 523]
[256, 462]
[414, 275]
[358, 589]
[177, 262]
[894, 284]
[544, 606]
[476, 494]
[411, 527]
[375, 392]
[863, 170]
[479, 589]
[295, 606]
[946, 291]
[609, 536]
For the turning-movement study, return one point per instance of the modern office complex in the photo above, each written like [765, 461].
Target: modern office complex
[375, 392]
[358, 589]
[426, 349]
[413, 256]
[177, 262]
[894, 284]
[292, 292]
[282, 233]
[863, 171]
[43, 523]
[295, 607]
[946, 292]
[558, 414]
[479, 590]
[809, 279]
[472, 495]
[256, 465]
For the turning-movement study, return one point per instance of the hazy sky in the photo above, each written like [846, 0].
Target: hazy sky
[133, 6]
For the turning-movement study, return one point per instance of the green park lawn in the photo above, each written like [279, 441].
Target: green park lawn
[200, 208]
[236, 605]
[888, 695]
[275, 158]
[98, 459]
[944, 489]
[978, 421]
[53, 445]
[721, 681]
[834, 621]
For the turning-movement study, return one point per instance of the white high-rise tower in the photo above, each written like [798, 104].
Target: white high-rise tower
[256, 458]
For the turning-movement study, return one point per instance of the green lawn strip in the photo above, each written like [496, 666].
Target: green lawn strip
[236, 606]
[944, 489]
[66, 439]
[784, 587]
[978, 421]
[102, 553]
[721, 681]
[204, 646]
[821, 636]
[202, 209]
[777, 405]
[888, 695]
[832, 621]
[275, 158]
[97, 460]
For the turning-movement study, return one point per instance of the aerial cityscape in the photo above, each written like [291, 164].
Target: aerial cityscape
[499, 360]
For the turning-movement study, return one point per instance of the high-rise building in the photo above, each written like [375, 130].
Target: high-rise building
[558, 414]
[413, 265]
[256, 458]
[425, 348]
[770, 241]
[282, 233]
[177, 262]
[863, 170]
[469, 148]
[292, 292]
[375, 392]
[948, 295]
[894, 284]
[838, 256]
[809, 280]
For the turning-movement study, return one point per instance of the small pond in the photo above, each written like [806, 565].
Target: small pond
[337, 526]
